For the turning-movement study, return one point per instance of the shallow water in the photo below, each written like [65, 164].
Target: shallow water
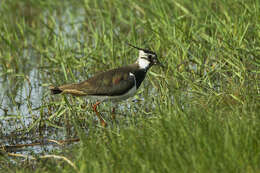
[28, 112]
[24, 95]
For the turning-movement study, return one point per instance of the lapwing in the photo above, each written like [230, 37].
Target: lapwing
[112, 85]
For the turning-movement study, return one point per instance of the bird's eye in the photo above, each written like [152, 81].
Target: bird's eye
[149, 57]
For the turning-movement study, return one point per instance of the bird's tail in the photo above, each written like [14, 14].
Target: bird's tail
[55, 90]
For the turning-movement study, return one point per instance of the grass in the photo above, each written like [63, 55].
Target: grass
[199, 114]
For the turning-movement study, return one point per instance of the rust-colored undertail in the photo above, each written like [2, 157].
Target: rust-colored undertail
[73, 89]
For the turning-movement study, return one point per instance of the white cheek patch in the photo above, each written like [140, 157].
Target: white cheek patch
[142, 54]
[143, 63]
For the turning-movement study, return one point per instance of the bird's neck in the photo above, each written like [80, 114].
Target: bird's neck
[139, 76]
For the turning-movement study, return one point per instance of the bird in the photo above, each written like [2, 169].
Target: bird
[113, 85]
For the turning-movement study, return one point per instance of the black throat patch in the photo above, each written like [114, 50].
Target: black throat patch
[139, 77]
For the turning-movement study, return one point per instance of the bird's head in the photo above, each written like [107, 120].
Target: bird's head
[146, 58]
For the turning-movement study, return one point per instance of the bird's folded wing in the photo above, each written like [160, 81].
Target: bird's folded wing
[111, 83]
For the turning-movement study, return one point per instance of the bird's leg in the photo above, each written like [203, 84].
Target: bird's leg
[113, 113]
[102, 121]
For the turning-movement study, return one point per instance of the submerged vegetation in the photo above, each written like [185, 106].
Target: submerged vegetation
[199, 114]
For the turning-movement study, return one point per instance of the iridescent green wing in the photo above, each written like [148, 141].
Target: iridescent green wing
[110, 83]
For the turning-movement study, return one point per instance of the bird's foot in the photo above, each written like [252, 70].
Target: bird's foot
[113, 113]
[102, 121]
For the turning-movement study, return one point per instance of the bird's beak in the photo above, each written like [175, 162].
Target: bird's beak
[159, 64]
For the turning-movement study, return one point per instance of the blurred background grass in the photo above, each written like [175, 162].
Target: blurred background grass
[200, 114]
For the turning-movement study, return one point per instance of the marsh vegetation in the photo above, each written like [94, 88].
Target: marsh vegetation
[199, 114]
